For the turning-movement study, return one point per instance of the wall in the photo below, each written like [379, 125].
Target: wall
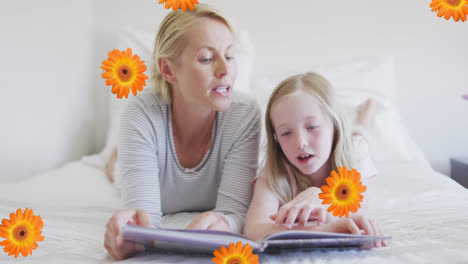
[56, 104]
[46, 108]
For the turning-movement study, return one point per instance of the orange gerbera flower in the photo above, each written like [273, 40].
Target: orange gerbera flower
[183, 4]
[450, 8]
[124, 72]
[21, 232]
[343, 192]
[235, 255]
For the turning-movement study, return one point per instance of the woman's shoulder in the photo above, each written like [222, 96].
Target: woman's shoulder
[145, 109]
[243, 115]
[242, 108]
[145, 102]
[243, 102]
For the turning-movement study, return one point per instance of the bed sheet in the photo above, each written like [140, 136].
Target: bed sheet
[425, 212]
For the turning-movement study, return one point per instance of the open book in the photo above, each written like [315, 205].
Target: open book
[206, 241]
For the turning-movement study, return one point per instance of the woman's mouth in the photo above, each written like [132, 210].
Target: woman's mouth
[304, 159]
[222, 90]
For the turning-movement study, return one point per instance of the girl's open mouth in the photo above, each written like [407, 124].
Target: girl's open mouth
[304, 159]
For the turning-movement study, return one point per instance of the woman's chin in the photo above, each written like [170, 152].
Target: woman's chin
[221, 105]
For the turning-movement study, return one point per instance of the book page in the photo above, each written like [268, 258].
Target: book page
[294, 239]
[181, 240]
[299, 234]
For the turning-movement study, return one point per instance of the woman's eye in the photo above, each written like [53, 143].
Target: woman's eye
[228, 58]
[312, 127]
[206, 60]
[286, 133]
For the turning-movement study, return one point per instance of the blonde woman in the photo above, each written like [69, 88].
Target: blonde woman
[307, 139]
[191, 144]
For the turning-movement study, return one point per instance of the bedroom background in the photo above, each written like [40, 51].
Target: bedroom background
[55, 106]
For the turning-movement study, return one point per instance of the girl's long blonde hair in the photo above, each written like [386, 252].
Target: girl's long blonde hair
[276, 161]
[172, 39]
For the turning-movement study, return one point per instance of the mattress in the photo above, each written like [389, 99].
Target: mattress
[425, 212]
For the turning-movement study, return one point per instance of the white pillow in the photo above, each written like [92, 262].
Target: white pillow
[142, 44]
[355, 82]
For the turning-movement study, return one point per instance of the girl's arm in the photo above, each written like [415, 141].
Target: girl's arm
[264, 203]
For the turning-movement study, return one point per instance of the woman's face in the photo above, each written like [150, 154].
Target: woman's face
[206, 70]
[304, 131]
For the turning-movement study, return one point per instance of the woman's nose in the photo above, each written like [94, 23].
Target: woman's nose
[222, 68]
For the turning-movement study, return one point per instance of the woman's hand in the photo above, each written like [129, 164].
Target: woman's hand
[210, 220]
[114, 243]
[304, 207]
[354, 224]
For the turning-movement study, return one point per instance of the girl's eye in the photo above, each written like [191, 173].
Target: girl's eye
[312, 127]
[228, 58]
[285, 133]
[206, 60]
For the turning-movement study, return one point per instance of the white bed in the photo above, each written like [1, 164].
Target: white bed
[425, 212]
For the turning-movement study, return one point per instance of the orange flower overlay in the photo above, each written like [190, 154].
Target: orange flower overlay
[124, 72]
[343, 192]
[235, 255]
[183, 4]
[458, 9]
[21, 233]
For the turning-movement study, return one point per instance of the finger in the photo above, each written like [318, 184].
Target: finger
[318, 214]
[273, 217]
[143, 218]
[292, 216]
[365, 225]
[313, 215]
[282, 214]
[352, 227]
[306, 213]
[374, 231]
[384, 242]
[322, 216]
[126, 248]
[379, 233]
[200, 222]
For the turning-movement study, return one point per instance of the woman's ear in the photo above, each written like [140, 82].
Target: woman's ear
[166, 70]
[274, 137]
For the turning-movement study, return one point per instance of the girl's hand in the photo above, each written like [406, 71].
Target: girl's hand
[209, 220]
[304, 207]
[354, 224]
[114, 243]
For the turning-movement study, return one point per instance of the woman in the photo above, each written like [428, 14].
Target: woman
[189, 145]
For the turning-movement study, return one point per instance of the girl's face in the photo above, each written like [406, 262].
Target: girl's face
[304, 131]
[205, 71]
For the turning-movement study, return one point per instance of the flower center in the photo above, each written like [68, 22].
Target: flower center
[234, 260]
[342, 192]
[21, 233]
[453, 2]
[125, 73]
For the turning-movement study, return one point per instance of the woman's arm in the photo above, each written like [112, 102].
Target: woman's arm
[240, 167]
[138, 162]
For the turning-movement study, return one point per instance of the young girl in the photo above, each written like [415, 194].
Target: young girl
[306, 140]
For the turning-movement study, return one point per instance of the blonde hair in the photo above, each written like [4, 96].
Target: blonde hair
[172, 38]
[277, 174]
